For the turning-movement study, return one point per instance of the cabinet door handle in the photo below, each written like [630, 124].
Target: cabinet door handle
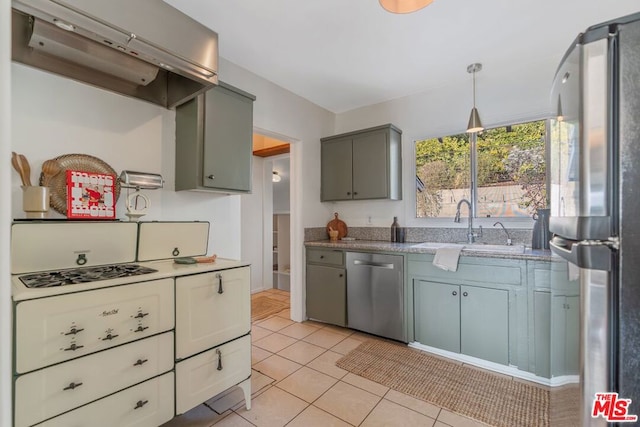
[210, 176]
[464, 294]
[340, 275]
[72, 386]
[454, 293]
[355, 193]
[321, 256]
[348, 193]
[140, 404]
[220, 290]
[140, 362]
[219, 353]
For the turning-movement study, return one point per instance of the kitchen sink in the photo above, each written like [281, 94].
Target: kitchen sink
[480, 247]
[473, 247]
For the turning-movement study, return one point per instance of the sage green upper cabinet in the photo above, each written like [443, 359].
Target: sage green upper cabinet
[361, 165]
[214, 137]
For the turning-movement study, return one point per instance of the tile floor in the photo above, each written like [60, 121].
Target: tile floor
[295, 383]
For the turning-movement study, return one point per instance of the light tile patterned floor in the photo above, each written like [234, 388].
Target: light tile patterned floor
[295, 383]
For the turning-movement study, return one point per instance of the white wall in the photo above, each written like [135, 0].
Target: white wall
[253, 245]
[54, 116]
[502, 96]
[5, 213]
[288, 117]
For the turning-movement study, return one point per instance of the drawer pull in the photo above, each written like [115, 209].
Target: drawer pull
[74, 331]
[109, 337]
[72, 386]
[454, 293]
[140, 404]
[140, 362]
[220, 290]
[73, 347]
[219, 353]
[175, 252]
[141, 328]
[140, 315]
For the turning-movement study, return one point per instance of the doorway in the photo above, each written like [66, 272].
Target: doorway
[266, 216]
[281, 229]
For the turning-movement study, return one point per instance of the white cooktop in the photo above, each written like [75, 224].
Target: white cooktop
[166, 268]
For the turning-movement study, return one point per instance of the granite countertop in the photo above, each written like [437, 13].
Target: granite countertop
[386, 246]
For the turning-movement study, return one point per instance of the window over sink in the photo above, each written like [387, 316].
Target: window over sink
[509, 170]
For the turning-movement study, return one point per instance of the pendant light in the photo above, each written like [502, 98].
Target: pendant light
[475, 125]
[404, 6]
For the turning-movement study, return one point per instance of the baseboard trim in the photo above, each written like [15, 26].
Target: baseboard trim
[499, 368]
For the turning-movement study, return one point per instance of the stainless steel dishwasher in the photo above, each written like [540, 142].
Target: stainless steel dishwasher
[375, 294]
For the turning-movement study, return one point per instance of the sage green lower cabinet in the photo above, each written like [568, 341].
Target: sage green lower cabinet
[326, 287]
[436, 315]
[484, 324]
[542, 333]
[565, 335]
[463, 319]
[555, 315]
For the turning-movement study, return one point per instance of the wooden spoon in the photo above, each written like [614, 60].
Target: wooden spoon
[26, 167]
[17, 165]
[50, 168]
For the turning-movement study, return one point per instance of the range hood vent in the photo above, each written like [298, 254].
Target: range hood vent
[144, 48]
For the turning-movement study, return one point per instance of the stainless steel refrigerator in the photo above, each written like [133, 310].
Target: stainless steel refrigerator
[595, 205]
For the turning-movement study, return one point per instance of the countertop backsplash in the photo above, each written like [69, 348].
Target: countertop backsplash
[495, 236]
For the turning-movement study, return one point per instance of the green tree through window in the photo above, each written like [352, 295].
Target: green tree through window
[511, 172]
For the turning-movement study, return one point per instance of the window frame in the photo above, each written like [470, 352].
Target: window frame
[510, 222]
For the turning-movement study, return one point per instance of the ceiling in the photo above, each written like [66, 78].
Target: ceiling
[345, 54]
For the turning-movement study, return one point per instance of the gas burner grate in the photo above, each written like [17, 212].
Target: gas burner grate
[83, 275]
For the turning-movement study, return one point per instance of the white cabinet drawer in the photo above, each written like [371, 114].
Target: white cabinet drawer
[203, 376]
[146, 405]
[63, 327]
[51, 391]
[212, 308]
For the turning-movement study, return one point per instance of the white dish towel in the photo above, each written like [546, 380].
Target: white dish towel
[447, 257]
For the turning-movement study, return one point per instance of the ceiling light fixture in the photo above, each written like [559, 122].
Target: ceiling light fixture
[404, 6]
[475, 125]
[275, 177]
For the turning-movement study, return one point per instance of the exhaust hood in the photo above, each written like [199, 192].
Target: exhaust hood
[144, 48]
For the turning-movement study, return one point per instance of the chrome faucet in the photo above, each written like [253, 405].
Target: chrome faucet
[470, 234]
[505, 230]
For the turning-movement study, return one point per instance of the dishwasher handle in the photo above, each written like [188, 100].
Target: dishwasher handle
[373, 264]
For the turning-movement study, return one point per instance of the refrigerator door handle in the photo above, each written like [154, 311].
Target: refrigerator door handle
[593, 255]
